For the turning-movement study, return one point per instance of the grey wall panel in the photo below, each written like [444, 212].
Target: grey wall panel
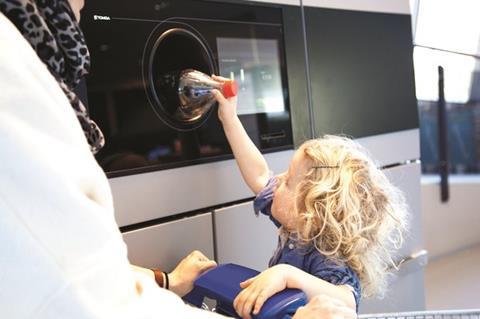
[361, 68]
[243, 238]
[406, 293]
[407, 178]
[393, 148]
[148, 196]
[296, 70]
[406, 288]
[164, 245]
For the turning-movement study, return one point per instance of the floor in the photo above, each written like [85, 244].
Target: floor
[453, 281]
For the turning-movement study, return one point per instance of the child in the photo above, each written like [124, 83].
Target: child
[339, 217]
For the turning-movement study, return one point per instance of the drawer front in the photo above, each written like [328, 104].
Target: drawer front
[243, 238]
[164, 245]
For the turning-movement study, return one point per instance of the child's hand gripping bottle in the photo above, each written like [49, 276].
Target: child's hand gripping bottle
[194, 90]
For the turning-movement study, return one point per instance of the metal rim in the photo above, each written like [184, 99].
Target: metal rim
[158, 107]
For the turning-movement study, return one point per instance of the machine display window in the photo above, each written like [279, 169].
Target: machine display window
[255, 65]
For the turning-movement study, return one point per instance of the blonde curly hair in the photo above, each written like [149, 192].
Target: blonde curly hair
[349, 210]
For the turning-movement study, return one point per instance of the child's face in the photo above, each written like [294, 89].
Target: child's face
[283, 206]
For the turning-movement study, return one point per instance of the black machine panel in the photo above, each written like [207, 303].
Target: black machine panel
[130, 44]
[361, 72]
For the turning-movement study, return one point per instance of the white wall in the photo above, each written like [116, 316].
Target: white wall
[455, 225]
[452, 238]
[453, 281]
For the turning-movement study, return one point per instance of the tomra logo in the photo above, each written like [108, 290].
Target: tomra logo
[97, 17]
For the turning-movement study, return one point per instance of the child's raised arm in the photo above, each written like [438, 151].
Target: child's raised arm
[251, 162]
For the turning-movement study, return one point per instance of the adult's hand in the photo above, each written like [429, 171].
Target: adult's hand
[325, 307]
[182, 277]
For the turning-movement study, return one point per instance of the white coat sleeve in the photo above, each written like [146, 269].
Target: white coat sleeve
[61, 253]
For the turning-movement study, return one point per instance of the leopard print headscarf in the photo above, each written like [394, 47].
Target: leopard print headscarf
[53, 32]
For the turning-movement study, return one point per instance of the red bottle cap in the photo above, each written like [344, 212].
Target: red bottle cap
[230, 88]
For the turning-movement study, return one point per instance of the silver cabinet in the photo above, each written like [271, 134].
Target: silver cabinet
[143, 197]
[243, 238]
[406, 146]
[407, 178]
[405, 293]
[164, 245]
[406, 289]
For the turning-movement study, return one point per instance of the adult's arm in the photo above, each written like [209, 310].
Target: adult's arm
[182, 277]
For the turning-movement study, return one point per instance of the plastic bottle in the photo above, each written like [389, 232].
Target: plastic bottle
[194, 84]
[194, 91]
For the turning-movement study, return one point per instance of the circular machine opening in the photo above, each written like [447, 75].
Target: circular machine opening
[176, 49]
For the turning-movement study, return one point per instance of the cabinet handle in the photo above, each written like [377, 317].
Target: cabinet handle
[412, 263]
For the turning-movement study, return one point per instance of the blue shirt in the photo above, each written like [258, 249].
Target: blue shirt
[308, 258]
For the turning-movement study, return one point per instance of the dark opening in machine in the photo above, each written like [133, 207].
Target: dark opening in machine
[174, 50]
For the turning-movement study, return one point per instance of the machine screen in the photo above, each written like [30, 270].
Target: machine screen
[255, 65]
